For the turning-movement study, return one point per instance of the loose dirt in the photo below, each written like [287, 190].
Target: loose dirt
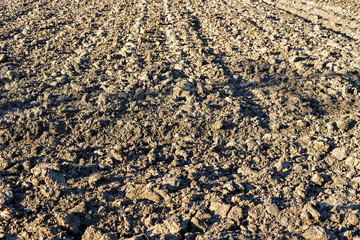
[179, 119]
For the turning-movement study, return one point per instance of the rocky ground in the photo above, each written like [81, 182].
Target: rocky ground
[179, 119]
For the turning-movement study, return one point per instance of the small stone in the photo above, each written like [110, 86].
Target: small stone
[55, 178]
[352, 218]
[6, 194]
[275, 127]
[245, 171]
[41, 169]
[94, 178]
[172, 225]
[201, 220]
[182, 153]
[349, 234]
[185, 85]
[102, 99]
[308, 213]
[225, 225]
[273, 209]
[143, 192]
[27, 165]
[52, 192]
[218, 125]
[356, 179]
[164, 194]
[315, 233]
[220, 208]
[300, 191]
[84, 99]
[69, 221]
[151, 156]
[335, 217]
[138, 237]
[272, 61]
[229, 186]
[331, 126]
[139, 94]
[318, 179]
[4, 163]
[49, 172]
[235, 213]
[92, 233]
[177, 91]
[302, 124]
[345, 124]
[339, 153]
[77, 87]
[356, 238]
[295, 59]
[353, 162]
[118, 155]
[321, 146]
[281, 165]
[208, 87]
[3, 58]
[172, 183]
[5, 214]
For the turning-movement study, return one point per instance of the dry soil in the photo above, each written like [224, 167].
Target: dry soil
[179, 119]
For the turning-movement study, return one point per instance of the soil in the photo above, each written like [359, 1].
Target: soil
[182, 119]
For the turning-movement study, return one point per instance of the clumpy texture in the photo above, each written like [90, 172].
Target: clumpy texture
[181, 119]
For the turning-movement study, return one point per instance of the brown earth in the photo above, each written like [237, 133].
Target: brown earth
[181, 119]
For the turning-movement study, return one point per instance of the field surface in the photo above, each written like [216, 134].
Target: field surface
[179, 119]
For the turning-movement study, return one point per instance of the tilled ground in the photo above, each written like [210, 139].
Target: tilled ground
[179, 119]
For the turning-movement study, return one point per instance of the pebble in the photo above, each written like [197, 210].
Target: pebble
[220, 208]
[3, 58]
[172, 183]
[339, 153]
[92, 233]
[218, 125]
[4, 163]
[144, 193]
[69, 221]
[236, 213]
[345, 124]
[321, 146]
[102, 99]
[353, 162]
[273, 209]
[315, 233]
[309, 212]
[171, 226]
[6, 194]
[300, 191]
[94, 178]
[356, 179]
[318, 179]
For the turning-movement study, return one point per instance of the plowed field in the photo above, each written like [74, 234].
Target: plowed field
[179, 119]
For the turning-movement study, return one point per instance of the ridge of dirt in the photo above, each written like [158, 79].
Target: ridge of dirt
[343, 18]
[181, 119]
